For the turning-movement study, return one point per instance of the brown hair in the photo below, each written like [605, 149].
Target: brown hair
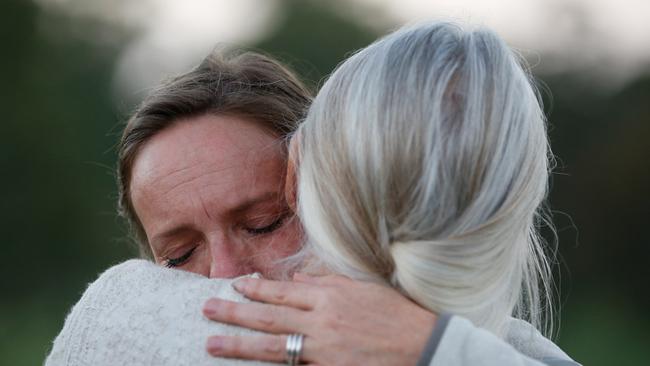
[246, 84]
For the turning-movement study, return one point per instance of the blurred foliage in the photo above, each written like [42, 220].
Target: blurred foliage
[58, 191]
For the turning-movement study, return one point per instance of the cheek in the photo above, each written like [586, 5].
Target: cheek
[291, 237]
[200, 261]
[284, 243]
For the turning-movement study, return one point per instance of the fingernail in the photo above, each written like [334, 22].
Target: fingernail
[210, 307]
[239, 285]
[214, 345]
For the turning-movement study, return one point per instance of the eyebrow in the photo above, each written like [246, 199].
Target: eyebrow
[234, 211]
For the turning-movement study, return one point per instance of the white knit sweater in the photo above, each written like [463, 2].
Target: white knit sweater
[138, 313]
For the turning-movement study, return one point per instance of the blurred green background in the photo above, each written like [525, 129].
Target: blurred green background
[63, 117]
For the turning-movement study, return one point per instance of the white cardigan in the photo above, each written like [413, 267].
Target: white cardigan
[138, 313]
[456, 341]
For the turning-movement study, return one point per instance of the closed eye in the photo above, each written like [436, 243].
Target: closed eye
[268, 228]
[175, 262]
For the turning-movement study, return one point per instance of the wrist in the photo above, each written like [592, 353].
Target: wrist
[422, 326]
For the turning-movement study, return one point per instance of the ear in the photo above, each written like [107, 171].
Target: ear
[291, 181]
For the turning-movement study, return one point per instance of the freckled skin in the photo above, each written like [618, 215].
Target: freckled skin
[189, 183]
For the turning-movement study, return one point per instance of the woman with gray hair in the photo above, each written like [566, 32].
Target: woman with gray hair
[423, 166]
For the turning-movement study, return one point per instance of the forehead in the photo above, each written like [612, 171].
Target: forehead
[205, 136]
[221, 159]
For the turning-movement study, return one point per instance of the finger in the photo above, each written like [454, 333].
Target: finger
[263, 347]
[328, 280]
[294, 294]
[303, 277]
[263, 317]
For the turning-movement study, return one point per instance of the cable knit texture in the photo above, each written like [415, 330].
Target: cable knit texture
[138, 313]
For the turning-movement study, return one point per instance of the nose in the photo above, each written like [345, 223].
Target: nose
[227, 260]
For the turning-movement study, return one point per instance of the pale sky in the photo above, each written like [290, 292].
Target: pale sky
[607, 36]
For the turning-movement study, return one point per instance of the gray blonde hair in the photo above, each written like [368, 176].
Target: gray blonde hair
[424, 163]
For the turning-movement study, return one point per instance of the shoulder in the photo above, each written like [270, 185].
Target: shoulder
[524, 337]
[140, 313]
[462, 343]
[142, 279]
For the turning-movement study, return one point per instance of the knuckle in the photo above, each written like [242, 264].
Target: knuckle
[332, 296]
[272, 347]
[325, 301]
[281, 293]
[331, 279]
[337, 279]
[254, 288]
[230, 311]
[267, 319]
[236, 346]
[331, 322]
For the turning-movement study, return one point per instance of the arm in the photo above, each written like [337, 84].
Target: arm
[351, 322]
[345, 322]
[456, 341]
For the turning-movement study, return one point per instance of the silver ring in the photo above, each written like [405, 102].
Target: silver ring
[294, 348]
